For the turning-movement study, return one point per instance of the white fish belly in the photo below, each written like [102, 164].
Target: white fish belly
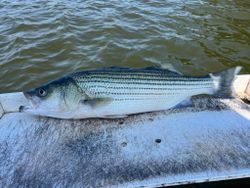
[138, 106]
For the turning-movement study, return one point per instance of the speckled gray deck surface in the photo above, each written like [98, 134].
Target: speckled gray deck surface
[210, 141]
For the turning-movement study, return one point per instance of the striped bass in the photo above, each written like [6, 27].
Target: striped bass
[117, 92]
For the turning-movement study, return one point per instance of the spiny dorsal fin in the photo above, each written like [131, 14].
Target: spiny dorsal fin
[170, 67]
[164, 67]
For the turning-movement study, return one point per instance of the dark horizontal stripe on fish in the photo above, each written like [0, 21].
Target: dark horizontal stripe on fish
[147, 88]
[121, 74]
[140, 99]
[150, 82]
[138, 94]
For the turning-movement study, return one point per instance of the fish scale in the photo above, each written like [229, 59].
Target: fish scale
[122, 85]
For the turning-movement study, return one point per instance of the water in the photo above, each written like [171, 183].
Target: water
[42, 40]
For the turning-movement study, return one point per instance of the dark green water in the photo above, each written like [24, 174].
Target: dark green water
[41, 40]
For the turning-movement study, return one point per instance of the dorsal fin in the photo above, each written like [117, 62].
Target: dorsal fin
[164, 67]
[170, 67]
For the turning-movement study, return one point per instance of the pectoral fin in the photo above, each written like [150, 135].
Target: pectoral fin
[94, 102]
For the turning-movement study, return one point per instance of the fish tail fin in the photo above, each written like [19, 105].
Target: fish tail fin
[223, 82]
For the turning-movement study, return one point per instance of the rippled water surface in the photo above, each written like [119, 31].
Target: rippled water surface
[42, 40]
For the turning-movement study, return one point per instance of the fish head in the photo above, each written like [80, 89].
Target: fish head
[55, 99]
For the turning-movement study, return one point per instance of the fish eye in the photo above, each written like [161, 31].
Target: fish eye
[42, 92]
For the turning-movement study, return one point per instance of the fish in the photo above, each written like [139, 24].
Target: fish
[116, 92]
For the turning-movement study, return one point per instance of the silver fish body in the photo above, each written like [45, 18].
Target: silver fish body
[117, 92]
